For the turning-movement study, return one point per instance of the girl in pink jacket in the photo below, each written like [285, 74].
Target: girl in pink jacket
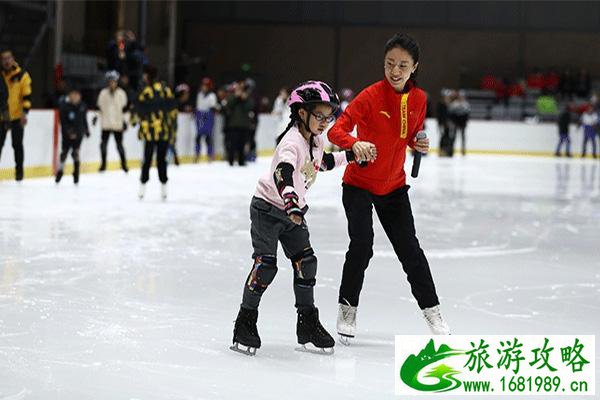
[277, 215]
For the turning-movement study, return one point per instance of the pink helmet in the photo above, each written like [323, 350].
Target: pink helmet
[313, 92]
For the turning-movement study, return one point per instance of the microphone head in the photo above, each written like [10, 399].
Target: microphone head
[421, 135]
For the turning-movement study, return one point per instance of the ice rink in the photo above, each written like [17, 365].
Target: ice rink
[106, 297]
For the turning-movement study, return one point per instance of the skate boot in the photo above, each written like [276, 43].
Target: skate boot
[76, 173]
[19, 174]
[163, 191]
[435, 321]
[59, 175]
[245, 332]
[310, 330]
[346, 323]
[142, 191]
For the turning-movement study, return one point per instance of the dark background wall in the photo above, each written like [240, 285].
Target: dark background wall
[342, 42]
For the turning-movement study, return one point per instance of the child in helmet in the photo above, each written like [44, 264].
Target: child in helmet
[277, 215]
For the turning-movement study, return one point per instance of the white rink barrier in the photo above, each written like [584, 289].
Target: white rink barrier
[41, 142]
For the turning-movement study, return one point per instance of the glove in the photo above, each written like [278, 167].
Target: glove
[290, 202]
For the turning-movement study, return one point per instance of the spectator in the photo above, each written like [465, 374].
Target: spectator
[136, 59]
[281, 110]
[444, 123]
[589, 124]
[347, 95]
[535, 80]
[564, 121]
[264, 106]
[489, 82]
[552, 81]
[126, 56]
[18, 84]
[182, 94]
[567, 84]
[112, 103]
[583, 83]
[517, 89]
[73, 127]
[251, 89]
[546, 105]
[239, 122]
[206, 106]
[4, 117]
[459, 111]
[502, 91]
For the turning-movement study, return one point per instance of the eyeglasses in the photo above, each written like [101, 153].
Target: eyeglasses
[323, 118]
[388, 65]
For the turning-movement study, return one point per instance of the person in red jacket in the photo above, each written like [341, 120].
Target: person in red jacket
[388, 114]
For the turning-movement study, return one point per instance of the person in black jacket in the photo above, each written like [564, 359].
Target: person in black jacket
[564, 120]
[443, 122]
[74, 126]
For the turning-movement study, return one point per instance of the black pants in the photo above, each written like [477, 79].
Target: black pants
[104, 145]
[460, 130]
[161, 160]
[16, 133]
[395, 214]
[72, 145]
[235, 144]
[271, 226]
[252, 142]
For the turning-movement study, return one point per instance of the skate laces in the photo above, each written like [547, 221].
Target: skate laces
[348, 313]
[313, 320]
[433, 316]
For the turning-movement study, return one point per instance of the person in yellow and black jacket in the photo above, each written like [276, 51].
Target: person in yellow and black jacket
[4, 118]
[151, 109]
[18, 85]
[171, 106]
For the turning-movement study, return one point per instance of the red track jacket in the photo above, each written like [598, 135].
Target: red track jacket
[388, 119]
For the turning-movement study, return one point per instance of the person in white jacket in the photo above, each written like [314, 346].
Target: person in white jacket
[112, 104]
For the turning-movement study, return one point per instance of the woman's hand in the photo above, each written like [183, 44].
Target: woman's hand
[364, 151]
[422, 145]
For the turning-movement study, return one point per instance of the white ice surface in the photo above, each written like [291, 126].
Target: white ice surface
[106, 297]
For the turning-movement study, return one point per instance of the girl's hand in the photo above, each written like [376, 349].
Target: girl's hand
[296, 219]
[422, 145]
[364, 151]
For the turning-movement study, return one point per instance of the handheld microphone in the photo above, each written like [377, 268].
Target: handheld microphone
[417, 158]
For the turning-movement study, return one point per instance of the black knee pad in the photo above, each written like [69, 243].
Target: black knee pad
[305, 268]
[262, 274]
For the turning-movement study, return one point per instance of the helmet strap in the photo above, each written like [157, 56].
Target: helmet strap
[307, 122]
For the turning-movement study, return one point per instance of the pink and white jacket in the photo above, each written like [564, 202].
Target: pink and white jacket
[294, 149]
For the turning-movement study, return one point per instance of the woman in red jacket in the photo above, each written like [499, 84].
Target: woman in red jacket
[387, 114]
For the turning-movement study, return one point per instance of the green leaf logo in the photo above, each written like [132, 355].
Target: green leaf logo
[413, 365]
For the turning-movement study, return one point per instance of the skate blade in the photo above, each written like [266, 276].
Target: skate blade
[249, 351]
[326, 351]
[345, 340]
